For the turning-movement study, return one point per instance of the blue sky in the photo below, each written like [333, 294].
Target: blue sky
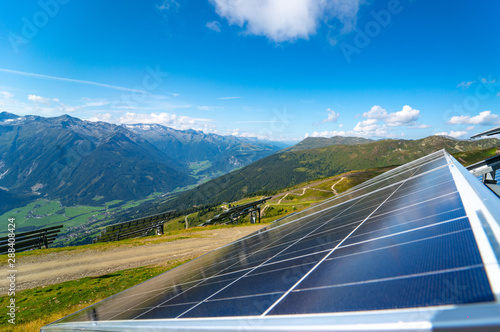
[273, 69]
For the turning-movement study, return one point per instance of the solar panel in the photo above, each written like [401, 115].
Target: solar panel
[414, 248]
[232, 214]
[30, 240]
[489, 132]
[134, 228]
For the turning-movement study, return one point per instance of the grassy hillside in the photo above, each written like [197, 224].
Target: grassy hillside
[287, 169]
[43, 305]
[272, 175]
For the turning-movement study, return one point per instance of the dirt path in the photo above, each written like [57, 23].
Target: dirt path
[52, 268]
[333, 185]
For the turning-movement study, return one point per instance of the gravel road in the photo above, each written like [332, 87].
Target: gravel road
[53, 268]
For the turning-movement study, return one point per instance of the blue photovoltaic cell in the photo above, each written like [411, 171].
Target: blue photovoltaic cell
[468, 285]
[400, 240]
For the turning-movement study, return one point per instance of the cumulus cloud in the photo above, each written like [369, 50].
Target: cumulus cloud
[371, 127]
[39, 99]
[214, 25]
[287, 20]
[407, 116]
[485, 118]
[175, 121]
[332, 116]
[455, 134]
[379, 122]
[376, 112]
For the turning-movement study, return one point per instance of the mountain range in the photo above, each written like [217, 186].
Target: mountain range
[82, 162]
[296, 165]
[89, 163]
[190, 147]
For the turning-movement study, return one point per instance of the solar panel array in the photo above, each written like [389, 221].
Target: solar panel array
[30, 240]
[134, 228]
[232, 214]
[487, 172]
[399, 241]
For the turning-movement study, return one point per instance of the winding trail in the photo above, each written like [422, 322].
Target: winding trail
[333, 185]
[290, 193]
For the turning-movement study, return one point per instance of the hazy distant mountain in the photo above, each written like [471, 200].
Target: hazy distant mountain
[319, 142]
[225, 153]
[81, 162]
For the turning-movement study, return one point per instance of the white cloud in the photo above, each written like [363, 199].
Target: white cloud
[376, 112]
[484, 118]
[332, 116]
[407, 116]
[64, 79]
[226, 98]
[66, 108]
[6, 95]
[56, 107]
[380, 123]
[261, 136]
[214, 25]
[419, 126]
[39, 99]
[465, 85]
[455, 134]
[37, 105]
[371, 127]
[105, 117]
[170, 120]
[287, 20]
